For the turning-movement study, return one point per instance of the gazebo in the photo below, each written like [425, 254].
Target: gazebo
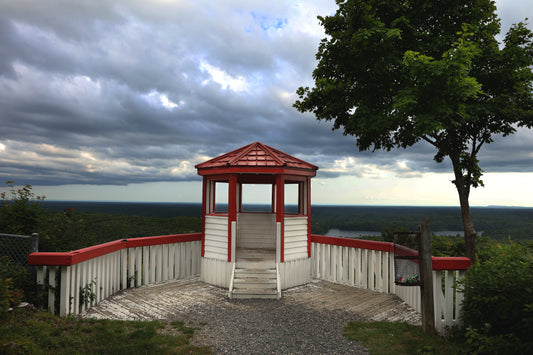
[256, 253]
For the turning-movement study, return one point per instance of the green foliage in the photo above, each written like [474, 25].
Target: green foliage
[21, 212]
[96, 228]
[63, 231]
[395, 338]
[82, 229]
[31, 332]
[87, 295]
[10, 277]
[497, 310]
[393, 73]
[447, 246]
[498, 223]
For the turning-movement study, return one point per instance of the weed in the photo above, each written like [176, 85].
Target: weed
[87, 295]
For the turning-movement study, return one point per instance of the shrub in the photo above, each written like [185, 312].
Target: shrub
[21, 211]
[447, 246]
[10, 275]
[497, 309]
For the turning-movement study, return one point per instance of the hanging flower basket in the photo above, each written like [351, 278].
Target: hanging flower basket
[406, 258]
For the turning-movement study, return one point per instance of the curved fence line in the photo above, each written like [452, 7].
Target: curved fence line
[370, 264]
[80, 279]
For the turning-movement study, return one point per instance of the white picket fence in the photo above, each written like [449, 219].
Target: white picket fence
[82, 278]
[87, 276]
[370, 265]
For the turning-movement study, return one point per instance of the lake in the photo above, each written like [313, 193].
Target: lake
[334, 232]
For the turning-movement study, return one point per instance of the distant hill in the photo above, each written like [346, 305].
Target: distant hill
[146, 209]
[495, 221]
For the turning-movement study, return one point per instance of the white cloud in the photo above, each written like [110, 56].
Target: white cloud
[157, 99]
[361, 168]
[225, 80]
[124, 92]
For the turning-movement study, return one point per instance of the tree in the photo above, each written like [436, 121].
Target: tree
[21, 212]
[394, 73]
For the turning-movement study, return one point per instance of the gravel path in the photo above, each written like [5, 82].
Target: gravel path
[274, 327]
[306, 320]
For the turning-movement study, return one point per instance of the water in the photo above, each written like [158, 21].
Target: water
[334, 232]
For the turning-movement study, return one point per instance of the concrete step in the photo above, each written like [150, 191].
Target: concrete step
[251, 285]
[265, 274]
[255, 277]
[244, 264]
[257, 293]
[255, 281]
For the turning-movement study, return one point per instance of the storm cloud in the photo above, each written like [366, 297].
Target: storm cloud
[121, 92]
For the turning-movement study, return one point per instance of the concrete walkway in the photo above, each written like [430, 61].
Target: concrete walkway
[314, 314]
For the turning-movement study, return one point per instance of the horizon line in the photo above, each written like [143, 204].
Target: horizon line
[315, 204]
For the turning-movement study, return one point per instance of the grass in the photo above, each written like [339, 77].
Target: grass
[396, 338]
[35, 332]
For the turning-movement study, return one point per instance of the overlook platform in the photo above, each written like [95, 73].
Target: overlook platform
[154, 277]
[307, 318]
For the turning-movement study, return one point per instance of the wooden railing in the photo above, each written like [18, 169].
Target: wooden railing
[82, 278]
[85, 277]
[370, 265]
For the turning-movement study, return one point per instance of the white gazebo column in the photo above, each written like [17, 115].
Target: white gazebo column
[307, 212]
[232, 214]
[205, 190]
[280, 212]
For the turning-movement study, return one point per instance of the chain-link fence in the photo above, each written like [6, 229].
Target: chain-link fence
[18, 247]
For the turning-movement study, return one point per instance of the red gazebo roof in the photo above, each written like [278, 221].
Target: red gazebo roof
[255, 158]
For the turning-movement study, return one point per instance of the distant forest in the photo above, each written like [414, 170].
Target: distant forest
[145, 219]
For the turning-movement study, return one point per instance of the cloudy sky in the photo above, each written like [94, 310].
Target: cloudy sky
[118, 100]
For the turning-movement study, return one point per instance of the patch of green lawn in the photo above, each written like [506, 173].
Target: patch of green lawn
[396, 338]
[35, 332]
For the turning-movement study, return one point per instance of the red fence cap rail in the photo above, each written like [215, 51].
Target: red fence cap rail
[450, 263]
[438, 263]
[354, 243]
[77, 256]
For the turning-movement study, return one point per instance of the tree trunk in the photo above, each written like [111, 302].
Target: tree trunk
[426, 274]
[464, 192]
[468, 225]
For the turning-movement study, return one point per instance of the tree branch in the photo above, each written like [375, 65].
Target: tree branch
[426, 138]
[479, 146]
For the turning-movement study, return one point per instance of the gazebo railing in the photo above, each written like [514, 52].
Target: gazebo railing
[370, 265]
[86, 276]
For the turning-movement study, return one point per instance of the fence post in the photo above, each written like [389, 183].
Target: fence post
[34, 248]
[426, 274]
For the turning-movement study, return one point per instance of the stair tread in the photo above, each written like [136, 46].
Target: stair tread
[255, 291]
[254, 279]
[272, 284]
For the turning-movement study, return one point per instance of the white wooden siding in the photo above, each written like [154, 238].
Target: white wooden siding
[295, 237]
[256, 230]
[295, 272]
[216, 237]
[216, 272]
